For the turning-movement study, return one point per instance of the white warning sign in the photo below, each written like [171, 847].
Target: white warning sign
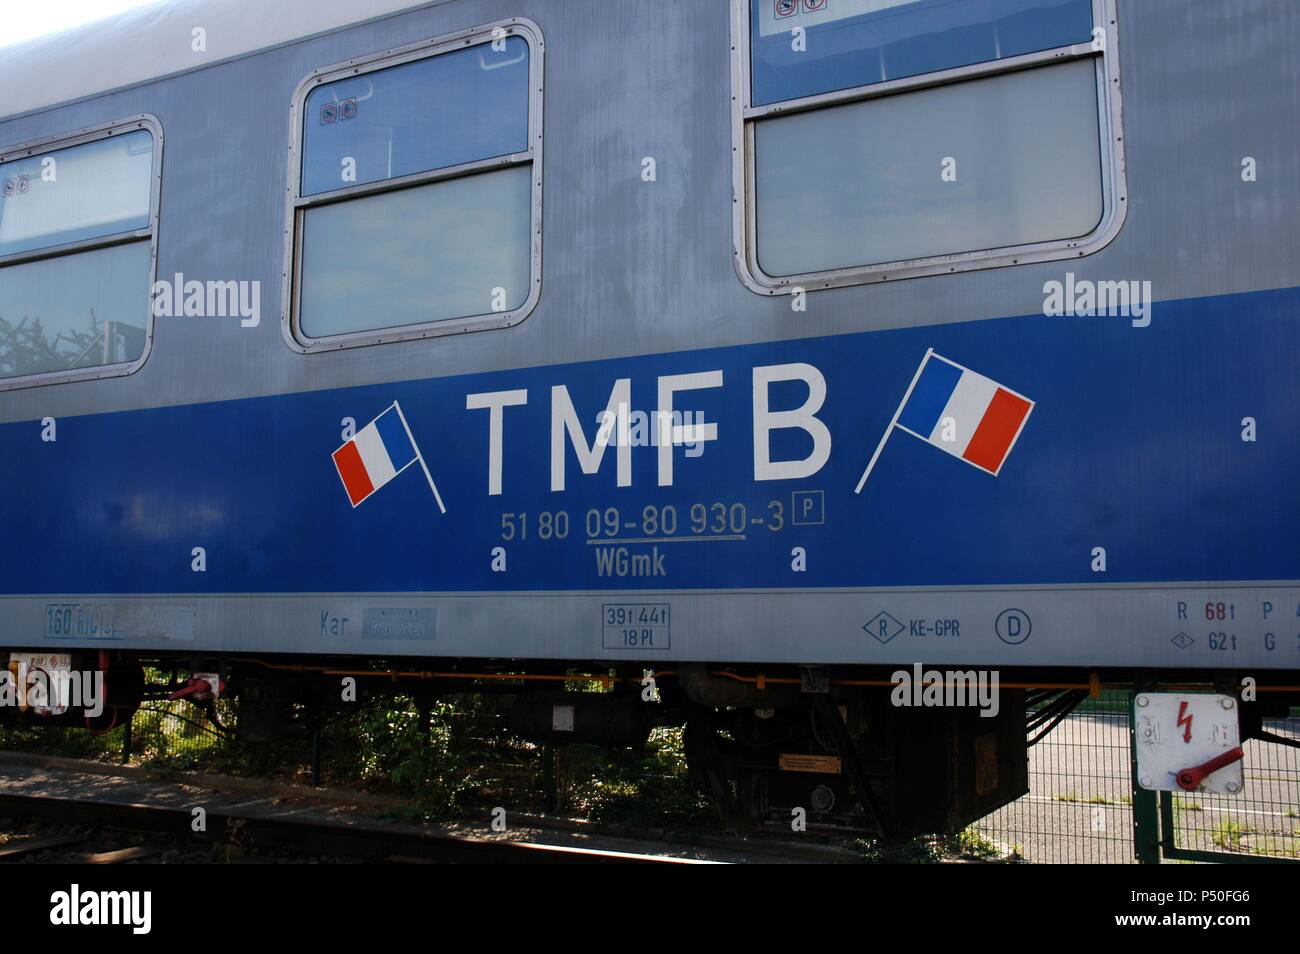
[1188, 742]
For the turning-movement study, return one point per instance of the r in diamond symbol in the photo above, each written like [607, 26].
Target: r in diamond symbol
[1182, 640]
[883, 627]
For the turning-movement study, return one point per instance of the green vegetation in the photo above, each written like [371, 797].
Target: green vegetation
[972, 844]
[918, 851]
[1229, 835]
[969, 844]
[1075, 799]
[396, 746]
[446, 759]
[645, 790]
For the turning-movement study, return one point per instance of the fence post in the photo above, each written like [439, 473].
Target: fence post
[126, 740]
[1146, 812]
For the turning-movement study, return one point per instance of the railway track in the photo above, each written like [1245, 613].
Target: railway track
[257, 836]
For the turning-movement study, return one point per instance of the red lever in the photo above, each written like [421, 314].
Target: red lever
[198, 688]
[1190, 779]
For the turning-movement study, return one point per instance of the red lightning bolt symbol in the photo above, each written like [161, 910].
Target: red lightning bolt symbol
[1185, 720]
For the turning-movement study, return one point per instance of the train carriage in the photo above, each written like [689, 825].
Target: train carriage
[771, 346]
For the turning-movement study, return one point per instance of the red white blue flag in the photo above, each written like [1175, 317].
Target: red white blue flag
[377, 453]
[966, 414]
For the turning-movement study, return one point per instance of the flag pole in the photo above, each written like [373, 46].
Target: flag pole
[420, 457]
[892, 424]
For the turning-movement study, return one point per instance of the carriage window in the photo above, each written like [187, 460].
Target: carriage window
[893, 138]
[433, 113]
[852, 43]
[417, 211]
[76, 255]
[843, 187]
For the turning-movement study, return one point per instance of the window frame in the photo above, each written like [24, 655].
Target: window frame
[297, 204]
[49, 144]
[745, 116]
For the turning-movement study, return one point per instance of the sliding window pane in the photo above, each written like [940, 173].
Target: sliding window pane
[849, 43]
[859, 184]
[74, 311]
[420, 116]
[69, 195]
[428, 253]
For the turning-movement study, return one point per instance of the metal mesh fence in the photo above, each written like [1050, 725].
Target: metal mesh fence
[162, 734]
[1080, 806]
[1265, 819]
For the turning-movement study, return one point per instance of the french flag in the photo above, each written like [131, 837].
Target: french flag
[377, 453]
[966, 414]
